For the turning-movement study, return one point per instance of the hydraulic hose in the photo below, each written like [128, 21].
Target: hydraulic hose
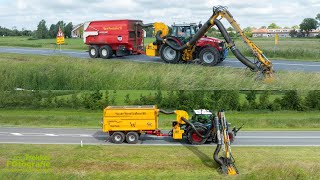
[201, 32]
[195, 130]
[216, 155]
[233, 47]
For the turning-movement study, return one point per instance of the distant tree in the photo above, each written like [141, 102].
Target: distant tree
[264, 102]
[286, 27]
[295, 27]
[42, 30]
[248, 31]
[263, 27]
[68, 30]
[318, 17]
[53, 31]
[127, 99]
[293, 33]
[309, 24]
[273, 26]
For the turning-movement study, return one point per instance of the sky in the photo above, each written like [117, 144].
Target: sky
[254, 13]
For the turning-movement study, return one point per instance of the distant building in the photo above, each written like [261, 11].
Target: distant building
[271, 33]
[77, 31]
[285, 33]
[314, 33]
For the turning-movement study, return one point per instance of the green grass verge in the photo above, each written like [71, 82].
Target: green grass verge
[149, 162]
[66, 73]
[283, 120]
[288, 48]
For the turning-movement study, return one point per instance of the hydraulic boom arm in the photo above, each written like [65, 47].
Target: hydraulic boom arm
[263, 65]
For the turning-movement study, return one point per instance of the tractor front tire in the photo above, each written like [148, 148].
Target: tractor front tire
[94, 51]
[106, 52]
[209, 56]
[169, 55]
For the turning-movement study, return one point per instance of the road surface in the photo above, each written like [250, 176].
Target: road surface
[230, 62]
[96, 137]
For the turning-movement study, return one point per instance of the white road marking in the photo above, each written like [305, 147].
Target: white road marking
[16, 134]
[54, 135]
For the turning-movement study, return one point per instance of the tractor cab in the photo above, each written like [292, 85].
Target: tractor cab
[184, 30]
[202, 116]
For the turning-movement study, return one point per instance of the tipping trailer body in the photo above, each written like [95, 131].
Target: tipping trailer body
[130, 118]
[123, 37]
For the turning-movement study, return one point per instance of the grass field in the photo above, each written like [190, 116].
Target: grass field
[260, 120]
[66, 73]
[289, 48]
[149, 162]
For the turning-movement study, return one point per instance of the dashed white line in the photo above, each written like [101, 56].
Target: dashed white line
[53, 135]
[16, 134]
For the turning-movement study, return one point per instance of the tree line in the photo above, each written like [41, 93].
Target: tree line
[43, 32]
[184, 100]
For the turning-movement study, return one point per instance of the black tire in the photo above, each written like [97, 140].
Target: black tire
[132, 138]
[117, 137]
[94, 51]
[194, 139]
[209, 56]
[106, 52]
[169, 55]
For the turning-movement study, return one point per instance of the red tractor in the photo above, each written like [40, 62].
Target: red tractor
[207, 50]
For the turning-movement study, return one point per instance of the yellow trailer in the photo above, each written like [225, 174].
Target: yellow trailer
[129, 122]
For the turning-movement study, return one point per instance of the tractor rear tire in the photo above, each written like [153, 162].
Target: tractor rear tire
[106, 52]
[194, 139]
[94, 51]
[209, 56]
[132, 138]
[169, 55]
[117, 137]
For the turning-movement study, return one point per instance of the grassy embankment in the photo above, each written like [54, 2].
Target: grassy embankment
[66, 73]
[253, 120]
[288, 48]
[136, 162]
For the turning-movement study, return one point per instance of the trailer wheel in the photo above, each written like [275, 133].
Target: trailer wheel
[169, 55]
[132, 138]
[194, 139]
[106, 52]
[94, 51]
[117, 137]
[209, 56]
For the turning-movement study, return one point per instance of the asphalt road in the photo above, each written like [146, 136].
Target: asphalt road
[96, 137]
[230, 62]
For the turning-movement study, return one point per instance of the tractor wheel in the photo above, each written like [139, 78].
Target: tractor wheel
[132, 138]
[106, 52]
[94, 51]
[169, 55]
[118, 137]
[194, 139]
[209, 56]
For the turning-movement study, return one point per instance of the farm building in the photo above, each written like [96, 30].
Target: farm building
[77, 31]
